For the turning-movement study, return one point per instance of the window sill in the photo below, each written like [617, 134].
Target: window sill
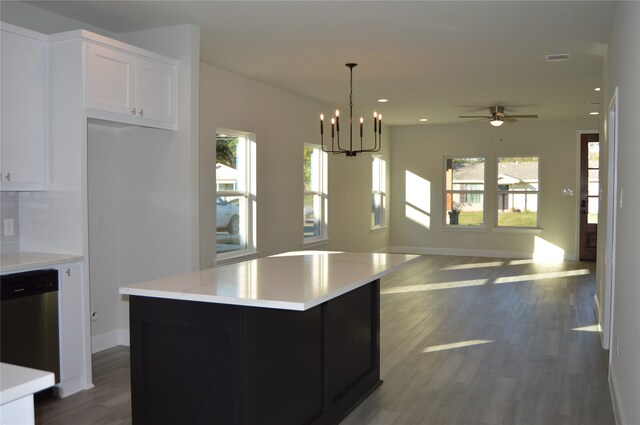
[243, 256]
[378, 229]
[457, 228]
[525, 230]
[315, 242]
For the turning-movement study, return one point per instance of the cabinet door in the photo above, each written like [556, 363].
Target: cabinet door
[71, 322]
[23, 112]
[156, 90]
[110, 80]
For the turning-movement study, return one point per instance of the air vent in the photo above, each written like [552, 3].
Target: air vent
[593, 103]
[559, 57]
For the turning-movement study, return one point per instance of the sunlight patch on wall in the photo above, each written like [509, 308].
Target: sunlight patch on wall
[418, 199]
[541, 276]
[546, 252]
[456, 345]
[433, 286]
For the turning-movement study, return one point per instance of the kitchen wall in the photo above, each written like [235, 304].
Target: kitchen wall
[622, 67]
[282, 122]
[417, 175]
[9, 210]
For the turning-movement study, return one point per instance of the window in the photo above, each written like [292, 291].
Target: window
[315, 194]
[518, 188]
[236, 194]
[378, 191]
[464, 191]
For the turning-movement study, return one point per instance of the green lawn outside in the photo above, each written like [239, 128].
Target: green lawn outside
[507, 218]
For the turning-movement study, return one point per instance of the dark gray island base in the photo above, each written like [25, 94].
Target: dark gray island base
[207, 363]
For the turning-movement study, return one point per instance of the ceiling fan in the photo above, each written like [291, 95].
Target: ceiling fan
[498, 116]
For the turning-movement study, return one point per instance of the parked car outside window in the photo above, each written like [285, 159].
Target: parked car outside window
[227, 215]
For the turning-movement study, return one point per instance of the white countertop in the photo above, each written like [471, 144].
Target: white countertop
[292, 281]
[17, 382]
[22, 261]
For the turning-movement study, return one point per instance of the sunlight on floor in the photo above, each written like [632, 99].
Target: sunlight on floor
[456, 345]
[590, 328]
[433, 286]
[475, 265]
[541, 276]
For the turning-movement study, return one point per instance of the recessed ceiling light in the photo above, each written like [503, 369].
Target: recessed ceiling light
[424, 119]
[383, 100]
[596, 89]
[594, 113]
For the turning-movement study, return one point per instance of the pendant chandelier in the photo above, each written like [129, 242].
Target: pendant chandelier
[351, 150]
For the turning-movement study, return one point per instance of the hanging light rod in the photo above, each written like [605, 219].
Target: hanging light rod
[335, 128]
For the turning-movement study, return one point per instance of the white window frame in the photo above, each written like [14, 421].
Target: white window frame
[452, 191]
[319, 185]
[246, 190]
[499, 192]
[378, 189]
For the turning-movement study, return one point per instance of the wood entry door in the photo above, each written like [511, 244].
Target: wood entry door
[589, 195]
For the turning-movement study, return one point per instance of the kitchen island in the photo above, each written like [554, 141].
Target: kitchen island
[287, 339]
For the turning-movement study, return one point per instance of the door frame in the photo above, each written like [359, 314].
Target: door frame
[576, 194]
[611, 133]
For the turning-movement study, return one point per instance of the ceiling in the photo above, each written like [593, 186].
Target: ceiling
[431, 59]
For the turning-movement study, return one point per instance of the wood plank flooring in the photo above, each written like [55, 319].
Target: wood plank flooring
[463, 341]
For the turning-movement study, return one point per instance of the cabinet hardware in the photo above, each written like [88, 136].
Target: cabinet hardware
[8, 177]
[68, 272]
[141, 113]
[133, 111]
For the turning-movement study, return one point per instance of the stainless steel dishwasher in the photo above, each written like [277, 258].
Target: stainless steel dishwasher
[29, 320]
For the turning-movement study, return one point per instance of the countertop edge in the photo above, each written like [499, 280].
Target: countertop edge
[26, 261]
[264, 303]
[23, 381]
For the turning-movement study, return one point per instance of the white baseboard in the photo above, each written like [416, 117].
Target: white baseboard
[109, 339]
[615, 397]
[458, 252]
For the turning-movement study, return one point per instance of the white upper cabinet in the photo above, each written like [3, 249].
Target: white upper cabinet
[110, 80]
[23, 110]
[130, 88]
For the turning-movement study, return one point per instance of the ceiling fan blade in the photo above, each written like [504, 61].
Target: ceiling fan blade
[509, 118]
[479, 119]
[522, 116]
[473, 116]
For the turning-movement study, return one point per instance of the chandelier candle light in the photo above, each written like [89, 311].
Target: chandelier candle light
[335, 128]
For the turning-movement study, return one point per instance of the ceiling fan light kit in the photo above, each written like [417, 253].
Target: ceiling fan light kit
[335, 128]
[498, 116]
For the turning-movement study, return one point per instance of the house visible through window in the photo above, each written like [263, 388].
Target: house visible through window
[236, 195]
[378, 191]
[315, 193]
[518, 188]
[464, 191]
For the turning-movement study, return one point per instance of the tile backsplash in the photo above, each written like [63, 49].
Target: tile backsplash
[9, 210]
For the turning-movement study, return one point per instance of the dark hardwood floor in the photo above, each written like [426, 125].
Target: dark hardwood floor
[463, 341]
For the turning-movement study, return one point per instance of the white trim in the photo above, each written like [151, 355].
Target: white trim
[615, 398]
[109, 339]
[596, 307]
[611, 129]
[458, 252]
